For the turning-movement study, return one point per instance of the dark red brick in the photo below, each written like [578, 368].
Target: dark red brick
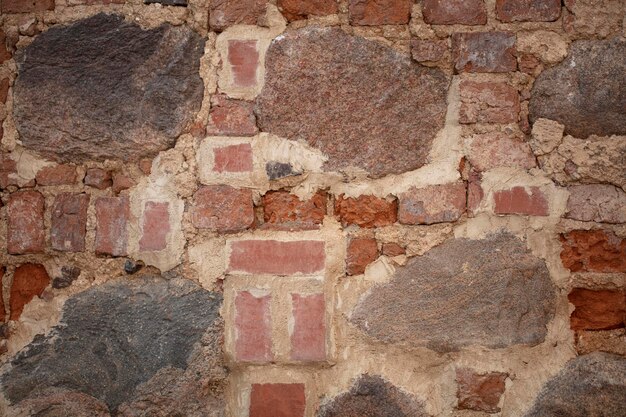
[98, 178]
[528, 10]
[277, 400]
[112, 215]
[488, 102]
[222, 208]
[8, 169]
[454, 12]
[484, 52]
[253, 327]
[69, 222]
[366, 211]
[29, 281]
[360, 253]
[379, 12]
[597, 309]
[225, 13]
[308, 340]
[156, 226]
[233, 158]
[479, 392]
[229, 117]
[25, 227]
[285, 211]
[277, 257]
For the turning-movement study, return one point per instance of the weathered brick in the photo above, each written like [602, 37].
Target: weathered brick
[121, 182]
[277, 257]
[98, 178]
[5, 54]
[428, 50]
[518, 201]
[488, 102]
[222, 208]
[225, 13]
[528, 10]
[496, 149]
[484, 52]
[597, 310]
[480, 392]
[243, 57]
[432, 204]
[285, 211]
[529, 64]
[26, 6]
[360, 253]
[57, 175]
[301, 9]
[233, 158]
[593, 251]
[29, 280]
[156, 226]
[366, 211]
[277, 400]
[308, 339]
[379, 12]
[229, 117]
[602, 203]
[475, 192]
[112, 215]
[25, 227]
[69, 222]
[253, 327]
[392, 249]
[454, 12]
[8, 168]
[2, 309]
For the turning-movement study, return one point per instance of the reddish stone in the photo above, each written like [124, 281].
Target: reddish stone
[518, 201]
[379, 12]
[233, 158]
[253, 327]
[308, 340]
[69, 222]
[243, 57]
[360, 253]
[25, 227]
[277, 400]
[529, 64]
[5, 54]
[276, 257]
[597, 310]
[432, 204]
[593, 251]
[57, 175]
[475, 192]
[283, 210]
[596, 203]
[156, 226]
[112, 215]
[98, 178]
[480, 392]
[488, 102]
[222, 208]
[366, 211]
[4, 89]
[225, 13]
[2, 310]
[26, 6]
[7, 167]
[528, 10]
[454, 12]
[301, 9]
[229, 117]
[496, 149]
[484, 52]
[121, 182]
[428, 50]
[29, 280]
[392, 249]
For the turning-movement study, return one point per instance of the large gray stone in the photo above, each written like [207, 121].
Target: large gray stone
[491, 292]
[361, 103]
[105, 88]
[587, 91]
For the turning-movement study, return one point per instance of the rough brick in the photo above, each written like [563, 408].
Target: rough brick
[497, 149]
[225, 13]
[432, 204]
[528, 10]
[277, 400]
[423, 50]
[285, 211]
[2, 310]
[57, 175]
[392, 249]
[484, 52]
[454, 12]
[253, 327]
[379, 12]
[366, 211]
[98, 178]
[546, 136]
[593, 251]
[277, 257]
[233, 158]
[529, 64]
[222, 208]
[29, 280]
[360, 253]
[488, 102]
[475, 192]
[112, 215]
[156, 226]
[5, 54]
[243, 57]
[301, 9]
[69, 222]
[518, 201]
[229, 117]
[480, 392]
[308, 339]
[26, 6]
[25, 227]
[8, 168]
[121, 182]
[597, 310]
[602, 203]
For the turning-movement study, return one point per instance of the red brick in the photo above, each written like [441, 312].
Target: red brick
[112, 215]
[2, 309]
[379, 12]
[57, 175]
[308, 340]
[8, 167]
[222, 208]
[29, 280]
[5, 54]
[597, 310]
[233, 158]
[484, 52]
[98, 178]
[528, 10]
[432, 204]
[225, 13]
[454, 12]
[243, 57]
[496, 149]
[276, 257]
[229, 117]
[479, 392]
[423, 50]
[69, 222]
[301, 9]
[4, 89]
[366, 211]
[518, 201]
[488, 102]
[25, 228]
[360, 253]
[285, 211]
[156, 226]
[277, 400]
[253, 327]
[392, 249]
[121, 182]
[26, 6]
[593, 251]
[475, 192]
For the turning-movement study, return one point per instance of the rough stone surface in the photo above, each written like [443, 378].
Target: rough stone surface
[112, 214]
[301, 9]
[479, 392]
[276, 170]
[593, 251]
[366, 210]
[423, 50]
[283, 210]
[484, 52]
[360, 253]
[379, 12]
[504, 293]
[222, 208]
[57, 175]
[225, 13]
[69, 222]
[454, 12]
[372, 396]
[230, 117]
[602, 203]
[432, 204]
[597, 309]
[233, 158]
[152, 90]
[29, 281]
[488, 102]
[25, 224]
[369, 120]
[587, 91]
[98, 178]
[546, 135]
[589, 385]
[308, 338]
[528, 10]
[496, 149]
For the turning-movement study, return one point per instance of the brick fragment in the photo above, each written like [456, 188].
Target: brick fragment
[156, 226]
[222, 208]
[484, 52]
[225, 13]
[597, 309]
[603, 203]
[233, 158]
[432, 204]
[277, 257]
[593, 251]
[301, 9]
[360, 253]
[112, 215]
[98, 178]
[392, 249]
[229, 117]
[57, 175]
[488, 102]
[423, 50]
[243, 57]
[253, 327]
[121, 182]
[454, 12]
[528, 10]
[277, 400]
[496, 149]
[69, 222]
[285, 211]
[479, 392]
[26, 6]
[519, 201]
[25, 226]
[366, 211]
[29, 281]
[379, 12]
[308, 339]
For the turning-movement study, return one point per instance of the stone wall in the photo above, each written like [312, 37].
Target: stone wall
[322, 208]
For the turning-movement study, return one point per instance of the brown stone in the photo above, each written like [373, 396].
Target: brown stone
[156, 226]
[479, 392]
[454, 12]
[222, 208]
[528, 10]
[392, 249]
[384, 125]
[29, 281]
[379, 12]
[98, 178]
[225, 13]
[520, 200]
[360, 253]
[423, 50]
[25, 227]
[112, 215]
[597, 310]
[432, 204]
[488, 102]
[593, 251]
[601, 203]
[57, 175]
[484, 52]
[230, 117]
[301, 9]
[496, 149]
[26, 6]
[283, 210]
[366, 211]
[69, 222]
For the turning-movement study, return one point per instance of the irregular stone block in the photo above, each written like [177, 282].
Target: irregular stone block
[428, 50]
[230, 117]
[593, 251]
[69, 222]
[222, 208]
[488, 102]
[25, 225]
[98, 178]
[57, 175]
